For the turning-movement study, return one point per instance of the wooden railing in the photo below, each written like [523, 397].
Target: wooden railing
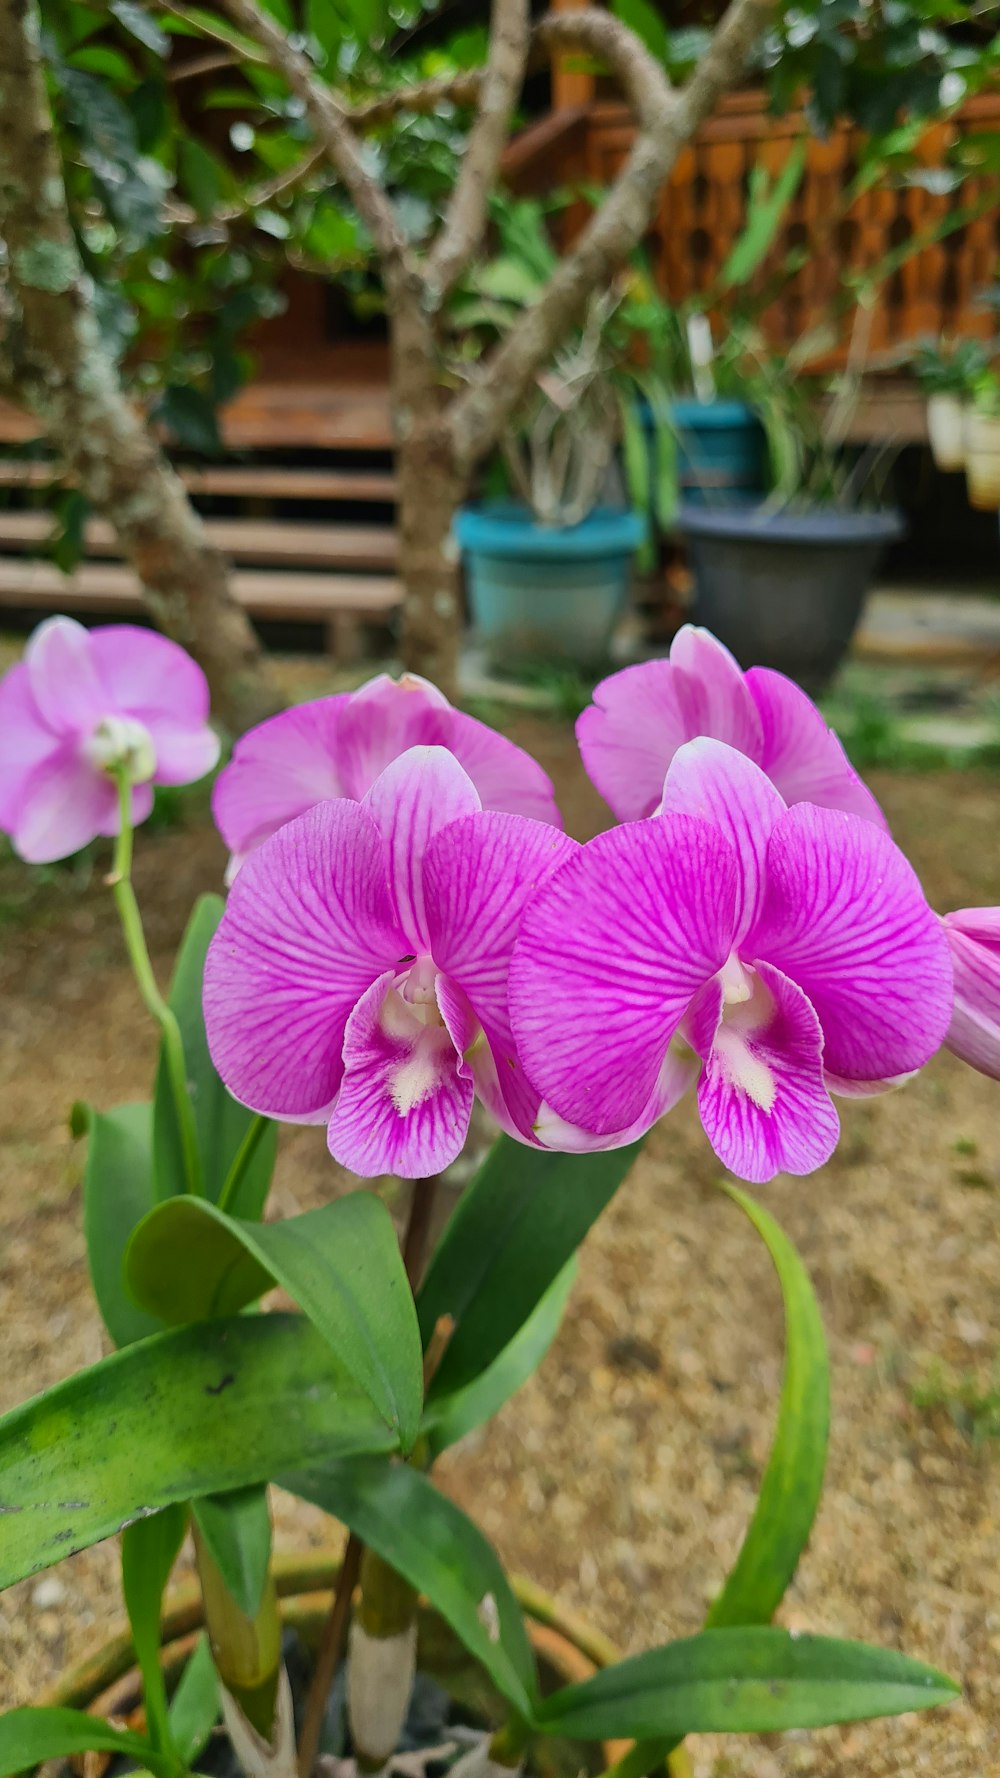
[703, 207]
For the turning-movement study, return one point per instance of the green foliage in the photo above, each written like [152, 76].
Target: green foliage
[119, 1189]
[341, 1263]
[793, 1480]
[30, 1737]
[199, 1410]
[427, 1539]
[950, 367]
[149, 1550]
[222, 1125]
[236, 1530]
[970, 1403]
[450, 1417]
[512, 1232]
[195, 1705]
[749, 1680]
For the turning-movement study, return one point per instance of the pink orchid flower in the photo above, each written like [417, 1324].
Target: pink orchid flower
[359, 975]
[337, 746]
[973, 936]
[640, 717]
[776, 954]
[81, 704]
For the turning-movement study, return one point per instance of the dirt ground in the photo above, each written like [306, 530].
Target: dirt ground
[623, 1475]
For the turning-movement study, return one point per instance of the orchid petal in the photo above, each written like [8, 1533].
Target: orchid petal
[711, 780]
[25, 742]
[712, 691]
[146, 675]
[308, 926]
[845, 917]
[610, 953]
[381, 720]
[506, 777]
[404, 1104]
[761, 1096]
[801, 755]
[865, 1089]
[973, 936]
[64, 805]
[479, 875]
[478, 1063]
[184, 751]
[680, 1069]
[421, 792]
[279, 769]
[65, 683]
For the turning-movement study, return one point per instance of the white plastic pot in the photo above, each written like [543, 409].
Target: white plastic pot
[946, 431]
[982, 460]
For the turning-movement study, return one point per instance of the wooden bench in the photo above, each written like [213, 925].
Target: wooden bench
[263, 542]
[249, 481]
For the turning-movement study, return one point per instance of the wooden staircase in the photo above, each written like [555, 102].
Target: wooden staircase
[308, 543]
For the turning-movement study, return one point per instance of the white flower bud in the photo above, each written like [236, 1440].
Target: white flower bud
[121, 743]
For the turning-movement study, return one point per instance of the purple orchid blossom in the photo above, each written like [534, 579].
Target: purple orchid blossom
[774, 954]
[337, 746]
[973, 936]
[358, 977]
[640, 717]
[80, 706]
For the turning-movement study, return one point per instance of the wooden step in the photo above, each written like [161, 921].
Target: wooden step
[241, 480]
[333, 599]
[258, 541]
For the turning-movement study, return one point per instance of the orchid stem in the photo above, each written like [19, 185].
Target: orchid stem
[156, 1006]
[649, 1756]
[242, 1161]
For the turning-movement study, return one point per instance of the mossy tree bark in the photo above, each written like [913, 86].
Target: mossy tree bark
[53, 360]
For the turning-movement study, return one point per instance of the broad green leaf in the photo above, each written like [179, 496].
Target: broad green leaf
[400, 1514]
[28, 1737]
[195, 1705]
[236, 1529]
[512, 1232]
[137, 21]
[793, 1480]
[755, 1680]
[450, 1417]
[221, 1123]
[642, 17]
[198, 1410]
[340, 1263]
[149, 1550]
[118, 1191]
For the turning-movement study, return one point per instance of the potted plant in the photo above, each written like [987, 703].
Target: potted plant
[548, 571]
[982, 442]
[386, 955]
[947, 373]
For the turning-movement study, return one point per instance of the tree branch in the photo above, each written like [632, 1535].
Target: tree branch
[465, 216]
[666, 121]
[331, 122]
[57, 364]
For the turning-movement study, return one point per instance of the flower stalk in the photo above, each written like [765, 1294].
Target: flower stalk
[246, 1650]
[142, 968]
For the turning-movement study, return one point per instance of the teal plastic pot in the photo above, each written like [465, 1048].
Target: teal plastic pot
[541, 594]
[721, 452]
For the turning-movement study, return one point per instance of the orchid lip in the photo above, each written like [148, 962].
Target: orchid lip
[122, 743]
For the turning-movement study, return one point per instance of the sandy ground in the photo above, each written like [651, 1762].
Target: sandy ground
[623, 1475]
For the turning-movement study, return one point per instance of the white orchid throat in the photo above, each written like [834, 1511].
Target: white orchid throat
[747, 1011]
[410, 1015]
[122, 743]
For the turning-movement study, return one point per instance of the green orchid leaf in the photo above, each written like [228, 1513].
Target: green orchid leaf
[149, 1550]
[793, 1480]
[514, 1229]
[450, 1417]
[29, 1737]
[751, 1680]
[198, 1410]
[119, 1189]
[195, 1706]
[236, 1529]
[189, 1261]
[426, 1538]
[222, 1125]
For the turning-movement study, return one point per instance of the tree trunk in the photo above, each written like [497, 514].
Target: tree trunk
[430, 490]
[57, 364]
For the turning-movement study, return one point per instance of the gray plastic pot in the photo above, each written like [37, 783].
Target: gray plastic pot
[785, 589]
